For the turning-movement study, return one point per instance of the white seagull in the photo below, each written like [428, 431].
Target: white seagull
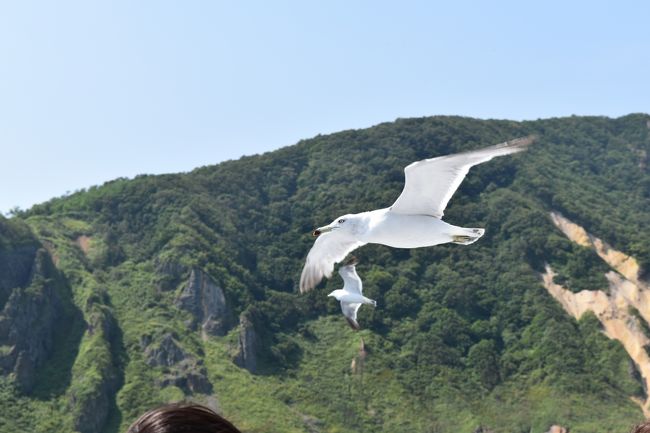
[413, 221]
[351, 295]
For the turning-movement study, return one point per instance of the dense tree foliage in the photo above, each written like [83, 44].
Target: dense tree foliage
[461, 337]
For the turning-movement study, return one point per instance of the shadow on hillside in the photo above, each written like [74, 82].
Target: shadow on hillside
[54, 376]
[120, 360]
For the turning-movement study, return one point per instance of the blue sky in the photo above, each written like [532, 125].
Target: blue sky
[91, 90]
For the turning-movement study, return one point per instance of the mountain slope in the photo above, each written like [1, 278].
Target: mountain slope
[186, 287]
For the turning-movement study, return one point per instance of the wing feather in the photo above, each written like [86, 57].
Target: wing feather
[430, 183]
[351, 281]
[329, 248]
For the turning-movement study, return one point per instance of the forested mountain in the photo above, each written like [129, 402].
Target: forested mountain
[162, 288]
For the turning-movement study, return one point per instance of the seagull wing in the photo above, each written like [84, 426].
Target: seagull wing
[350, 312]
[430, 183]
[351, 281]
[329, 248]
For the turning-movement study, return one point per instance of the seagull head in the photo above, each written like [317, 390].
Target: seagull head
[336, 294]
[345, 223]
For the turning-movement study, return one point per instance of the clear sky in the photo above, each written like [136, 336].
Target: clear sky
[94, 90]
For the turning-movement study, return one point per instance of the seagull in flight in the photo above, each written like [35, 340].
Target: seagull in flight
[351, 295]
[413, 221]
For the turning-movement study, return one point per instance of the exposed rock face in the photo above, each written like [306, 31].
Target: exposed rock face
[190, 376]
[622, 263]
[91, 407]
[28, 319]
[169, 274]
[246, 356]
[36, 304]
[613, 309]
[15, 269]
[93, 411]
[207, 303]
[167, 353]
[184, 371]
[93, 414]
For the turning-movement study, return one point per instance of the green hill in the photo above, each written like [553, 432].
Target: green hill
[184, 286]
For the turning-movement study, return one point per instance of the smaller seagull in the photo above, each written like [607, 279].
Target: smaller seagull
[351, 295]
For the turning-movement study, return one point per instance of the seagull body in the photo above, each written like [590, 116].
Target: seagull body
[382, 226]
[413, 221]
[351, 295]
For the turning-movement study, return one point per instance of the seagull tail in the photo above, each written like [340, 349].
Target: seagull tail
[467, 236]
[353, 323]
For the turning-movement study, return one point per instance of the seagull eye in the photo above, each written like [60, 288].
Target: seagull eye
[341, 221]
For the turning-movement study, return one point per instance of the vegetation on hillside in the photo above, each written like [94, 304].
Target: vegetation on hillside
[462, 336]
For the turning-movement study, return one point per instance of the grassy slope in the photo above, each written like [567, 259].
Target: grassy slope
[244, 222]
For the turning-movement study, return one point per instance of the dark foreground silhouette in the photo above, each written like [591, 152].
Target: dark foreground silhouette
[182, 418]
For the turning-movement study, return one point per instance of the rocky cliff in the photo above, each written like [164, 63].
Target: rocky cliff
[15, 266]
[206, 301]
[624, 264]
[182, 369]
[248, 349]
[30, 314]
[91, 395]
[615, 307]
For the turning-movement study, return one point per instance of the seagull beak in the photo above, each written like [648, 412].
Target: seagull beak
[320, 230]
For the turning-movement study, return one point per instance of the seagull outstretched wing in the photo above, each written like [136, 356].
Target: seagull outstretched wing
[430, 183]
[329, 248]
[351, 281]
[352, 284]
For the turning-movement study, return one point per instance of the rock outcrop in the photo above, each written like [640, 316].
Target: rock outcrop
[189, 375]
[166, 353]
[246, 356]
[621, 262]
[206, 301]
[15, 269]
[28, 318]
[91, 414]
[626, 293]
[92, 397]
[182, 369]
[169, 274]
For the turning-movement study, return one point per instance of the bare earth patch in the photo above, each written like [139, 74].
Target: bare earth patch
[612, 309]
[83, 242]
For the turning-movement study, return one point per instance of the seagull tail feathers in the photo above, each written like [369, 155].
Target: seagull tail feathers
[353, 324]
[467, 236]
